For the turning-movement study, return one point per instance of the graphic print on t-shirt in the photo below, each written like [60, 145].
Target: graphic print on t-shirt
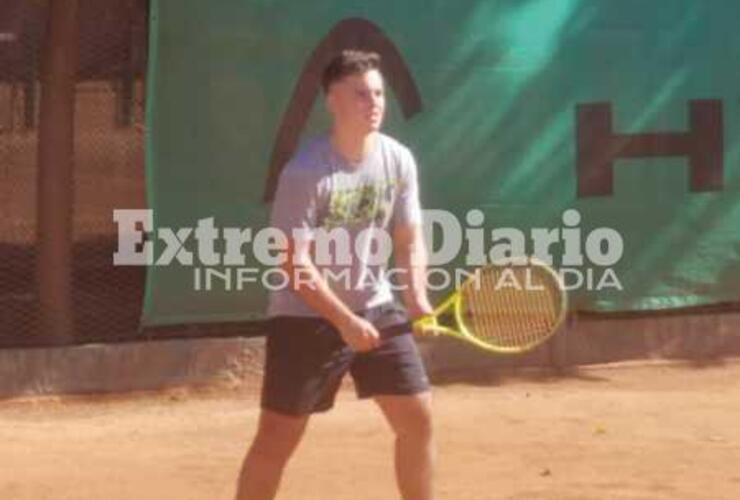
[361, 205]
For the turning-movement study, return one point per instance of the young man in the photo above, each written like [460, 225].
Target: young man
[363, 183]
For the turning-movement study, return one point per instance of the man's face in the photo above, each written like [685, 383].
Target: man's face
[357, 102]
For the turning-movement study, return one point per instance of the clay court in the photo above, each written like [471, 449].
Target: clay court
[623, 432]
[489, 94]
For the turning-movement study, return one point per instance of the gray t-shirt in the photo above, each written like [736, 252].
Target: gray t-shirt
[320, 194]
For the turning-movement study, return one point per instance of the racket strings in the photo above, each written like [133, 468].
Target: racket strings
[511, 306]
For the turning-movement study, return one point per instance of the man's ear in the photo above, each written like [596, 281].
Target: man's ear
[329, 102]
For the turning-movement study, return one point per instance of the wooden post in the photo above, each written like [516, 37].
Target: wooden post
[55, 173]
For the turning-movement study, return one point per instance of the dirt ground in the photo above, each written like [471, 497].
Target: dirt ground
[646, 432]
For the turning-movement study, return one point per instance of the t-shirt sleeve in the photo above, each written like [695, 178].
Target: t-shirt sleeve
[407, 209]
[295, 204]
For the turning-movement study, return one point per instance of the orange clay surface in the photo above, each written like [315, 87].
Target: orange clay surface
[638, 432]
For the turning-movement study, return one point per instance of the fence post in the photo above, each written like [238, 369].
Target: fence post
[55, 173]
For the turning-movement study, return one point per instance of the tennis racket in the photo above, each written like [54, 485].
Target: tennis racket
[504, 308]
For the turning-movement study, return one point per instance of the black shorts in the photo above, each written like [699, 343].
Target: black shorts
[306, 360]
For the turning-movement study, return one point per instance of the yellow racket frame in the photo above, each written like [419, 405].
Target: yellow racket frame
[429, 325]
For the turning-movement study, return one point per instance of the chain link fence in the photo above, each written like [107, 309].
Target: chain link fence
[109, 166]
[21, 29]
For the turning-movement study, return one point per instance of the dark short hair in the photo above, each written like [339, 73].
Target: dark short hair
[348, 62]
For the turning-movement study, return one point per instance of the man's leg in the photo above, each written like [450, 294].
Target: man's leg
[277, 437]
[304, 366]
[410, 417]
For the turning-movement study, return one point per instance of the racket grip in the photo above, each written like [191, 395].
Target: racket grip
[413, 327]
[396, 330]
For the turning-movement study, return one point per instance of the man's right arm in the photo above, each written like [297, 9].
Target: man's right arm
[294, 212]
[306, 280]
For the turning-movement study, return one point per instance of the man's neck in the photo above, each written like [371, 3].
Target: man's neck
[352, 147]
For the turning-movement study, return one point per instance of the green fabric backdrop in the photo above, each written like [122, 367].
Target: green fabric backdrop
[499, 82]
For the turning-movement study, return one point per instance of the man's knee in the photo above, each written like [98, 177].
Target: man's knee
[410, 417]
[418, 427]
[277, 435]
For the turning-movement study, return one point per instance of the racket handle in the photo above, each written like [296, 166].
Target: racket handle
[396, 330]
[414, 327]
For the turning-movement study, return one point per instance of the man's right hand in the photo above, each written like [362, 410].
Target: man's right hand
[359, 334]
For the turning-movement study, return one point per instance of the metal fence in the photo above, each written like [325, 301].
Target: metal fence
[108, 167]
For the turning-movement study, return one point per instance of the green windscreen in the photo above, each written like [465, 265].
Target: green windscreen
[627, 111]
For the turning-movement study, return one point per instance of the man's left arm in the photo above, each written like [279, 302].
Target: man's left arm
[408, 239]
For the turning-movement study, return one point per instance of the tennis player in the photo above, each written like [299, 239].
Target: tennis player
[360, 181]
